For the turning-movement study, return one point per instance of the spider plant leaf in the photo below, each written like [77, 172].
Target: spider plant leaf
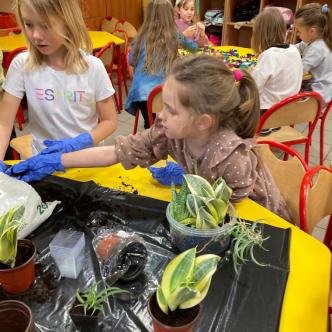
[180, 295]
[205, 267]
[178, 272]
[198, 186]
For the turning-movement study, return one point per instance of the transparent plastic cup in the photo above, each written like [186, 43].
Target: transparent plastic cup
[207, 241]
[67, 250]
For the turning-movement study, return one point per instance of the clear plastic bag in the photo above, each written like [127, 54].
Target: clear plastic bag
[122, 255]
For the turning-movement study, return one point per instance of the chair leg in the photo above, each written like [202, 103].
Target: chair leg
[306, 154]
[321, 141]
[328, 234]
[136, 122]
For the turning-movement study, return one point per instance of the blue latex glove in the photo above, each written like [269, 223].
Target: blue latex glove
[36, 167]
[3, 166]
[65, 145]
[173, 172]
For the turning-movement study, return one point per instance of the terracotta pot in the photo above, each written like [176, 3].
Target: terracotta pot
[15, 316]
[160, 326]
[19, 278]
[83, 323]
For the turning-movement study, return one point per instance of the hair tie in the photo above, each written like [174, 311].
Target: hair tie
[238, 75]
[325, 8]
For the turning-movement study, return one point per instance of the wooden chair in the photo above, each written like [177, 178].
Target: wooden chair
[316, 200]
[128, 27]
[106, 55]
[155, 105]
[322, 127]
[304, 107]
[284, 170]
[108, 24]
[23, 146]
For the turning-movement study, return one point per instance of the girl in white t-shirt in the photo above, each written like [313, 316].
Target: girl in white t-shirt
[68, 90]
[278, 72]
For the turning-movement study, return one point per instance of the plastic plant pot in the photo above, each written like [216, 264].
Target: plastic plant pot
[19, 278]
[207, 241]
[15, 316]
[84, 322]
[180, 320]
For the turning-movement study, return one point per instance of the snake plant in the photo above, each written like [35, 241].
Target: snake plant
[199, 204]
[186, 280]
[9, 224]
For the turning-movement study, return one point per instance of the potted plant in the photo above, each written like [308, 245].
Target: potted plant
[201, 215]
[15, 316]
[87, 306]
[17, 266]
[185, 282]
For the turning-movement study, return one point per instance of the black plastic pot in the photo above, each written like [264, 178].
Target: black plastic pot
[84, 322]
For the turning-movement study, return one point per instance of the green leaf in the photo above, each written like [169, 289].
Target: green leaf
[162, 301]
[180, 295]
[198, 186]
[221, 190]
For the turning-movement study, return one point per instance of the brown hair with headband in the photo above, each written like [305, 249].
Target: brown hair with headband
[209, 87]
[319, 16]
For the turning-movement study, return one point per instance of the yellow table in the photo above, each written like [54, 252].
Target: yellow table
[98, 39]
[241, 50]
[306, 296]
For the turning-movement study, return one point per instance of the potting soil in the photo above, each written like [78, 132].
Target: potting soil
[248, 301]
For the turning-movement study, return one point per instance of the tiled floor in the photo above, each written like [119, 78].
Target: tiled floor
[126, 123]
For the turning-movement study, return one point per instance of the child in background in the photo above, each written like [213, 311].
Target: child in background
[208, 121]
[278, 72]
[67, 89]
[314, 25]
[185, 12]
[152, 54]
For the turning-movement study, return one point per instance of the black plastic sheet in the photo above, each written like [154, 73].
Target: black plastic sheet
[249, 301]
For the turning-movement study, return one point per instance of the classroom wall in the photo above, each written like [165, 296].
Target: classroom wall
[6, 5]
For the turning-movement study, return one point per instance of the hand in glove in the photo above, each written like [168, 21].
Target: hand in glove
[172, 173]
[36, 167]
[65, 145]
[3, 166]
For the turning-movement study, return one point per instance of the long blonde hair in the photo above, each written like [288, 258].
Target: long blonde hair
[269, 30]
[314, 14]
[158, 35]
[76, 37]
[209, 87]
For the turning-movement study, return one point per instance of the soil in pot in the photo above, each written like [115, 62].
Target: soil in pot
[19, 278]
[84, 322]
[15, 316]
[180, 320]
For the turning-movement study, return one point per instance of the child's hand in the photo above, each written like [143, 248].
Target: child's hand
[190, 32]
[172, 173]
[200, 27]
[79, 142]
[36, 167]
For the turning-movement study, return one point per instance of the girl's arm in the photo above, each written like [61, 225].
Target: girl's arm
[107, 120]
[93, 157]
[8, 109]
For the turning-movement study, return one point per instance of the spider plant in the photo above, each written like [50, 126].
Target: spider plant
[93, 300]
[9, 224]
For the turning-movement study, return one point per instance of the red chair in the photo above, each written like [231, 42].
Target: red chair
[155, 105]
[316, 201]
[283, 170]
[322, 125]
[304, 107]
[8, 58]
[108, 24]
[106, 55]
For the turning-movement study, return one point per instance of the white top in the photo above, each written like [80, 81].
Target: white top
[317, 60]
[278, 74]
[59, 105]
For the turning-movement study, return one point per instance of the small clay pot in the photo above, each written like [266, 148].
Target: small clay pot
[84, 322]
[182, 320]
[19, 278]
[15, 316]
